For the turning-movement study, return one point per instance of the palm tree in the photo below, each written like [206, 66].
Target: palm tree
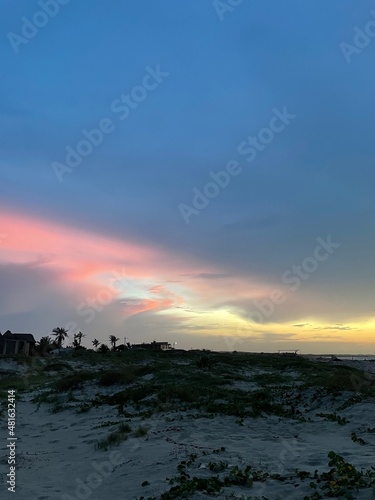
[60, 334]
[44, 345]
[113, 339]
[79, 336]
[75, 342]
[95, 343]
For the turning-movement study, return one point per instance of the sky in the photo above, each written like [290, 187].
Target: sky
[196, 172]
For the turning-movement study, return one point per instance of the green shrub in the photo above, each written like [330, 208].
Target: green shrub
[334, 418]
[116, 377]
[141, 431]
[270, 378]
[57, 367]
[204, 362]
[73, 381]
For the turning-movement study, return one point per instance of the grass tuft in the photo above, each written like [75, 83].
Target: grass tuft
[115, 438]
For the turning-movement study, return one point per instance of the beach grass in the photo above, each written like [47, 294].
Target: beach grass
[114, 438]
[148, 398]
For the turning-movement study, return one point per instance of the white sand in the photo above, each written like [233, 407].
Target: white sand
[56, 452]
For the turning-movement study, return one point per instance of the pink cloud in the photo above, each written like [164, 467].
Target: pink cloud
[88, 262]
[83, 264]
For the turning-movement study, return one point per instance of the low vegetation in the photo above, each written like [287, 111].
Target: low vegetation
[194, 380]
[342, 480]
[175, 385]
[333, 417]
[114, 438]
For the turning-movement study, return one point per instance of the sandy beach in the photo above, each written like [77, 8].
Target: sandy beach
[189, 425]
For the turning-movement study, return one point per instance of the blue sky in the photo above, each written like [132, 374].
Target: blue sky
[225, 78]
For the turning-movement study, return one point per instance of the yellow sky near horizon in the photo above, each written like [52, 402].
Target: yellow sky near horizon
[101, 284]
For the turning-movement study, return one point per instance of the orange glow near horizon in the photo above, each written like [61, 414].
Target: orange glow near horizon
[143, 278]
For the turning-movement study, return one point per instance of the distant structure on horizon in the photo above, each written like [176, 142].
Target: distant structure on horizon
[288, 352]
[17, 343]
[153, 346]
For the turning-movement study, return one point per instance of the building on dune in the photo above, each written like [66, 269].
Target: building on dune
[153, 346]
[17, 343]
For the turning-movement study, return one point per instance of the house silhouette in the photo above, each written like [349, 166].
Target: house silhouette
[16, 343]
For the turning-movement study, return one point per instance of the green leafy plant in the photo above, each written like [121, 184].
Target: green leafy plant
[334, 418]
[342, 480]
[357, 439]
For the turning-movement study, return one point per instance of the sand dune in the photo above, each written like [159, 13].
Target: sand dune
[58, 455]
